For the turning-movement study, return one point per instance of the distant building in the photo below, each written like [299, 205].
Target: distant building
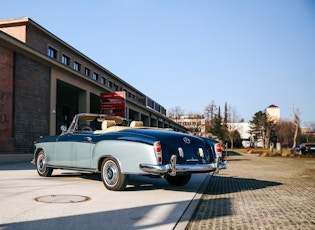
[245, 132]
[195, 124]
[273, 113]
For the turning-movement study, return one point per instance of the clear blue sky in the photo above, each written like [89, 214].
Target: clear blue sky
[248, 53]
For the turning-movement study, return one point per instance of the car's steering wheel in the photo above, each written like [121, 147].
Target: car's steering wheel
[85, 128]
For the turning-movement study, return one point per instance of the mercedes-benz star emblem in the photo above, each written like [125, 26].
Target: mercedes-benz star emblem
[186, 140]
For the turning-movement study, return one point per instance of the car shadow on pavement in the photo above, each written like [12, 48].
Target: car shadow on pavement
[142, 183]
[91, 176]
[135, 182]
[223, 184]
[213, 208]
[213, 205]
[231, 153]
[83, 175]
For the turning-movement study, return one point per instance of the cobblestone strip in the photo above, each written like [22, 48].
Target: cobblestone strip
[259, 193]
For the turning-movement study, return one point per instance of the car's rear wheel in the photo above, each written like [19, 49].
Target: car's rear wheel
[178, 180]
[41, 165]
[111, 175]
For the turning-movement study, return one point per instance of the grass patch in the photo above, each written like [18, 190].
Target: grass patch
[286, 152]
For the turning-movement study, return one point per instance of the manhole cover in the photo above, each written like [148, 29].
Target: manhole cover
[62, 199]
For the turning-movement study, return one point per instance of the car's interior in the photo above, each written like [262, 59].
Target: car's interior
[110, 126]
[98, 124]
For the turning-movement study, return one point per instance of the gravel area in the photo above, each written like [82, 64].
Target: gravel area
[259, 193]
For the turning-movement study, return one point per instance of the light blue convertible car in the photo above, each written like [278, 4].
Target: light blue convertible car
[102, 144]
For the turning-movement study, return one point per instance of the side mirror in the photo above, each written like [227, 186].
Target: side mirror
[63, 128]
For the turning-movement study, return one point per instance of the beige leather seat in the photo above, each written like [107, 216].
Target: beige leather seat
[105, 124]
[135, 124]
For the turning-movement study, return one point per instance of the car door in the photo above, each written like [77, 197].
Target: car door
[74, 150]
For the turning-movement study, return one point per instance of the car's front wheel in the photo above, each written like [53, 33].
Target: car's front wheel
[41, 165]
[111, 175]
[178, 180]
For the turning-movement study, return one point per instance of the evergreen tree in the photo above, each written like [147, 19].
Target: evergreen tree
[225, 114]
[256, 125]
[263, 128]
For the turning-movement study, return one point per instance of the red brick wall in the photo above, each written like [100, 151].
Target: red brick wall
[31, 102]
[6, 95]
[37, 40]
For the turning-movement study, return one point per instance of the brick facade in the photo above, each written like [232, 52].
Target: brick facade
[31, 102]
[6, 97]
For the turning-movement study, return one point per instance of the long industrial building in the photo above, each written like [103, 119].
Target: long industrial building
[44, 82]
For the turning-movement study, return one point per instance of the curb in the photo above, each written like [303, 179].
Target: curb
[189, 211]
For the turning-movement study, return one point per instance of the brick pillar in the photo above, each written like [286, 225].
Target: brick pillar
[84, 102]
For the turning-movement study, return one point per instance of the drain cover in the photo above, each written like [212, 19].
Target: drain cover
[62, 199]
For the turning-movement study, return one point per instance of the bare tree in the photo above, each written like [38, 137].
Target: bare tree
[209, 114]
[231, 117]
[195, 125]
[210, 111]
[175, 113]
[311, 133]
[284, 132]
[297, 120]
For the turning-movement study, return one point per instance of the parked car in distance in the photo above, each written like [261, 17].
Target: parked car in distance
[102, 144]
[305, 148]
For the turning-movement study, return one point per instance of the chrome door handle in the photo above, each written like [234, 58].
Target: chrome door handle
[89, 139]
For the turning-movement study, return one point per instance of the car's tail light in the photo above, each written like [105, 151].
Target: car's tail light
[218, 151]
[218, 148]
[158, 152]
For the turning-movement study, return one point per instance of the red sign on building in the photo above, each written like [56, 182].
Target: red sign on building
[113, 103]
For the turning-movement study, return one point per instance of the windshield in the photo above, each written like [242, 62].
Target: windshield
[92, 122]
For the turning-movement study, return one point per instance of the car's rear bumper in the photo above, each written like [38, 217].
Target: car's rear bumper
[172, 168]
[222, 165]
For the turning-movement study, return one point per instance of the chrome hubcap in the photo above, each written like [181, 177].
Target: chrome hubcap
[41, 163]
[110, 173]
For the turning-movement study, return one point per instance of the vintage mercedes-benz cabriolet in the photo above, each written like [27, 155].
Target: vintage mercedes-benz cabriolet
[107, 145]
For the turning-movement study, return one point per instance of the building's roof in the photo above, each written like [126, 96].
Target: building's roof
[29, 21]
[272, 106]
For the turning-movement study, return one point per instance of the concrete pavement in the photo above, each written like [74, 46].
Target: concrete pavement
[252, 193]
[147, 203]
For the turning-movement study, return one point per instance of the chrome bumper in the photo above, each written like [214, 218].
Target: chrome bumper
[172, 168]
[223, 165]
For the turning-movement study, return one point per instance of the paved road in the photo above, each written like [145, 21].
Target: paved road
[252, 193]
[146, 204]
[259, 193]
